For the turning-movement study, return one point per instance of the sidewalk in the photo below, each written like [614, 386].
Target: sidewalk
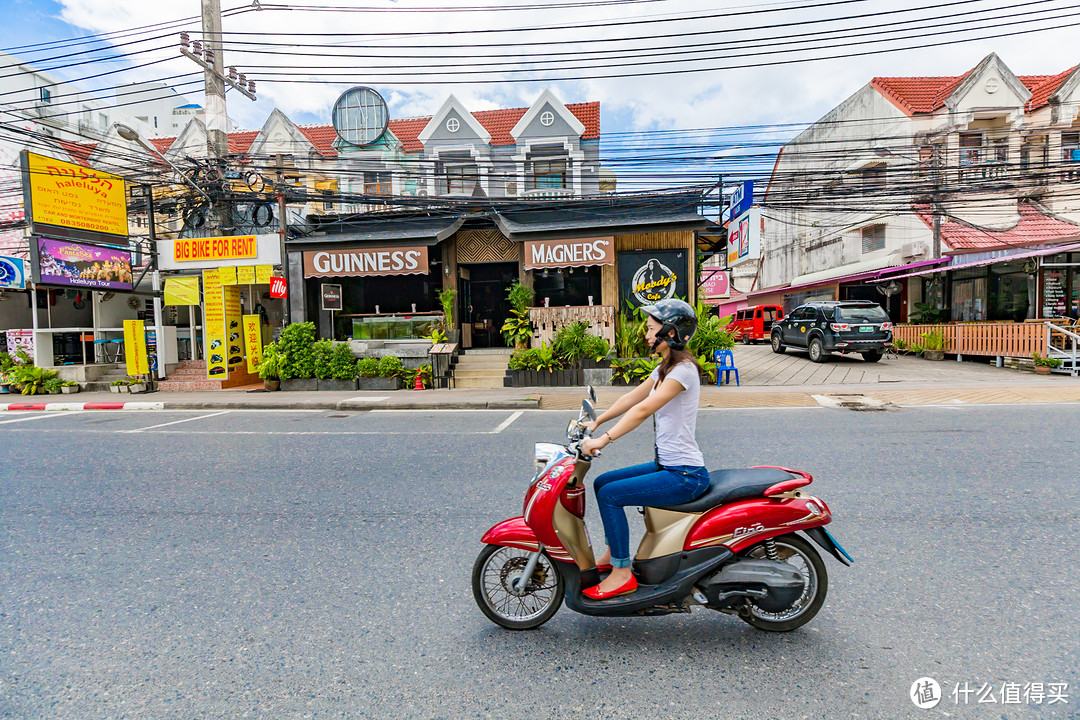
[1010, 389]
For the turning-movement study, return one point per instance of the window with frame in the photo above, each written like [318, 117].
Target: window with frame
[461, 179]
[377, 183]
[548, 174]
[328, 199]
[1070, 156]
[1033, 156]
[873, 178]
[46, 95]
[971, 154]
[873, 238]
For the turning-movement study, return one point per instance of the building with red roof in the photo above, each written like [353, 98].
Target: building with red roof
[911, 176]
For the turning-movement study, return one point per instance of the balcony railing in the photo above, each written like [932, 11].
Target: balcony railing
[989, 339]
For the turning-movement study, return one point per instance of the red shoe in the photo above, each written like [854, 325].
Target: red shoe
[597, 594]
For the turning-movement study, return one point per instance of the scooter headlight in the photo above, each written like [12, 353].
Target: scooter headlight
[543, 455]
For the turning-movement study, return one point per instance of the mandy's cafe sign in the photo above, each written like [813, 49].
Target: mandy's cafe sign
[541, 254]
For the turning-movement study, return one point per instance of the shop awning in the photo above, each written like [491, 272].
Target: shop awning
[597, 220]
[856, 268]
[403, 232]
[1006, 256]
[882, 274]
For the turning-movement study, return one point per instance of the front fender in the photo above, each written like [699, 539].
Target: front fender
[512, 533]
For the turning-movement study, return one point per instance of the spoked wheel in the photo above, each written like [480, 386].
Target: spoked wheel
[507, 604]
[795, 551]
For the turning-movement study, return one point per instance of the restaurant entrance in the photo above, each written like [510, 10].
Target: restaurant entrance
[483, 288]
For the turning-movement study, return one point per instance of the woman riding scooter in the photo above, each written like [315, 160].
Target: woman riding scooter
[678, 474]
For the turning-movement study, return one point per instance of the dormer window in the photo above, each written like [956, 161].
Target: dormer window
[453, 125]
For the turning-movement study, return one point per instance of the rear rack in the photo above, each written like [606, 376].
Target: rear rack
[804, 478]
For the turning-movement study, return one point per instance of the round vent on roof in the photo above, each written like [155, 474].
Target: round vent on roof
[360, 116]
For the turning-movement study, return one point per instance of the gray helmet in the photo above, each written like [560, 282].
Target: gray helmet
[674, 315]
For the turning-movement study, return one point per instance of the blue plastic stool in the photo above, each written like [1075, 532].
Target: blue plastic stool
[725, 365]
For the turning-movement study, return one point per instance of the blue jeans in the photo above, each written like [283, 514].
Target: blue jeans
[646, 485]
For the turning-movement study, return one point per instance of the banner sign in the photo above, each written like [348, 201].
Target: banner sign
[569, 253]
[649, 276]
[12, 273]
[278, 289]
[263, 273]
[744, 238]
[182, 291]
[227, 275]
[216, 352]
[253, 342]
[68, 200]
[213, 252]
[715, 283]
[245, 275]
[65, 262]
[365, 262]
[135, 347]
[331, 297]
[233, 318]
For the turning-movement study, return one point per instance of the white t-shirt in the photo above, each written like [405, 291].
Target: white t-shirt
[676, 422]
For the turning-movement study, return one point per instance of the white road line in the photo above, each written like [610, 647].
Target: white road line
[38, 417]
[175, 422]
[506, 423]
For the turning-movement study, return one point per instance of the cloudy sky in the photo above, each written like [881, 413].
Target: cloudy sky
[377, 42]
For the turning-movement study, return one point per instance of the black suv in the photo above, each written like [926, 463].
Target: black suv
[858, 326]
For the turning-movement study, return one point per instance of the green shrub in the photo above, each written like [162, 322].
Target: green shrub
[342, 362]
[596, 348]
[390, 366]
[570, 341]
[31, 379]
[52, 385]
[933, 340]
[630, 333]
[322, 353]
[446, 300]
[711, 335]
[367, 367]
[522, 359]
[272, 364]
[297, 344]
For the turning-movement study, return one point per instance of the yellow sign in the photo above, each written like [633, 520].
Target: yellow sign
[182, 291]
[253, 341]
[234, 247]
[135, 347]
[263, 273]
[245, 275]
[217, 350]
[64, 195]
[227, 275]
[233, 331]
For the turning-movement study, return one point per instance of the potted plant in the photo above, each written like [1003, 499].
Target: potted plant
[53, 386]
[933, 345]
[119, 386]
[446, 300]
[341, 365]
[69, 387]
[30, 379]
[135, 384]
[517, 330]
[270, 366]
[297, 343]
[1044, 364]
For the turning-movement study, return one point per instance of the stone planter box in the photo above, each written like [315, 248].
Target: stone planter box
[543, 378]
[933, 354]
[70, 389]
[300, 384]
[271, 385]
[337, 385]
[379, 383]
[137, 388]
[597, 376]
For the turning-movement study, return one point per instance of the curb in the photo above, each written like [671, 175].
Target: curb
[83, 406]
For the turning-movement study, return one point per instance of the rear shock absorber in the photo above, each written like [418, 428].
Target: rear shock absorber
[770, 550]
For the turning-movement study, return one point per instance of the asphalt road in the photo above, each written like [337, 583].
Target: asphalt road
[296, 565]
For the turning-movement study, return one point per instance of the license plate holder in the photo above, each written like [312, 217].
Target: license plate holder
[866, 329]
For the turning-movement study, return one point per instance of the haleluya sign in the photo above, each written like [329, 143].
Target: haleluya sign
[366, 262]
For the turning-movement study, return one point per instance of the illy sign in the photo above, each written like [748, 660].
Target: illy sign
[277, 288]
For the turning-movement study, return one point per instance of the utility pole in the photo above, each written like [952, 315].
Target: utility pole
[217, 119]
[283, 231]
[936, 180]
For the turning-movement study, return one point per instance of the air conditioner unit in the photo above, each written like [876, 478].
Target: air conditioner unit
[511, 189]
[914, 249]
[421, 193]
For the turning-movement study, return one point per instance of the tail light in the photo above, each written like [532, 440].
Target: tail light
[840, 327]
[886, 326]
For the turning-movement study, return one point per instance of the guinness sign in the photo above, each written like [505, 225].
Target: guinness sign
[363, 262]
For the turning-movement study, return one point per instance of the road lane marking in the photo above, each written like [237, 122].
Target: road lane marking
[175, 422]
[506, 423]
[38, 417]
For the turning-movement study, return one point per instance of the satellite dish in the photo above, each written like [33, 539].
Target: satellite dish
[360, 116]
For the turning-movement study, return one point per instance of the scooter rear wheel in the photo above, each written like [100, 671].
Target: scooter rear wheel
[795, 551]
[493, 577]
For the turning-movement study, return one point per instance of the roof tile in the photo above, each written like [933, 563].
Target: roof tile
[1034, 227]
[916, 95]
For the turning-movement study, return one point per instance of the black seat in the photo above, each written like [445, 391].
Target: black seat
[727, 486]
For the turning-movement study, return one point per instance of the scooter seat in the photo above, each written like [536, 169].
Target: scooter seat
[727, 486]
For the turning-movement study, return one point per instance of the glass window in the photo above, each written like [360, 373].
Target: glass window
[568, 286]
[873, 238]
[377, 183]
[548, 174]
[461, 179]
[46, 95]
[769, 314]
[1070, 156]
[969, 299]
[863, 314]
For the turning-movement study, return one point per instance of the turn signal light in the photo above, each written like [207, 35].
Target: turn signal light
[886, 326]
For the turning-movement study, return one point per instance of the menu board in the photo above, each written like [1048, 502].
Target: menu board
[1053, 293]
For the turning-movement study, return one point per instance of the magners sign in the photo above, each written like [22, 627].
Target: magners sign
[578, 252]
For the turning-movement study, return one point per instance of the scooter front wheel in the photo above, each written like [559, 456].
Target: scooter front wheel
[510, 604]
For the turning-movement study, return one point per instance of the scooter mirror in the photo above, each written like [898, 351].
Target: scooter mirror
[587, 409]
[592, 394]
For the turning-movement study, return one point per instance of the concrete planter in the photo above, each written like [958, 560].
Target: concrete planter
[933, 355]
[300, 385]
[337, 385]
[137, 388]
[1042, 369]
[70, 389]
[271, 385]
[379, 383]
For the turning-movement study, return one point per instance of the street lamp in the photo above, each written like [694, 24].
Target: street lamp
[935, 192]
[129, 134]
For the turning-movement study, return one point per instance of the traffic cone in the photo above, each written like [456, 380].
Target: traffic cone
[419, 383]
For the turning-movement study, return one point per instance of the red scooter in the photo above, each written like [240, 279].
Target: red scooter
[735, 549]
